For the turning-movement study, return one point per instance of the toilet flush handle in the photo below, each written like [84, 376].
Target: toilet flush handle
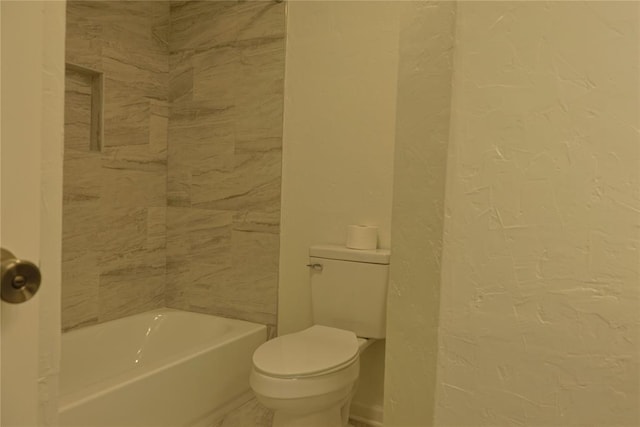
[315, 267]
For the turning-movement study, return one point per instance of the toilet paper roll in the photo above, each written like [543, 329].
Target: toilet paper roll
[362, 237]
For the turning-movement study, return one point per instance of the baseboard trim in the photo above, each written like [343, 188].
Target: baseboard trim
[368, 414]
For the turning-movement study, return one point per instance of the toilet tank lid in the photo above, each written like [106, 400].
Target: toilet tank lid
[373, 256]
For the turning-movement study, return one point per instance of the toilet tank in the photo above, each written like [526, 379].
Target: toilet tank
[349, 289]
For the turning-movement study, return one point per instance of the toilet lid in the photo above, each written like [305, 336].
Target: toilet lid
[314, 350]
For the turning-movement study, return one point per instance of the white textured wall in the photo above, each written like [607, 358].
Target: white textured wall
[540, 293]
[339, 121]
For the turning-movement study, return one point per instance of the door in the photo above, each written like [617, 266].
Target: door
[31, 124]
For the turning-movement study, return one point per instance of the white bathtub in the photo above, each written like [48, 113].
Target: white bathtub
[161, 368]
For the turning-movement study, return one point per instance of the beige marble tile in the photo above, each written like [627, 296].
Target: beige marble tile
[76, 83]
[133, 279]
[143, 71]
[260, 96]
[77, 110]
[111, 261]
[260, 20]
[121, 230]
[251, 414]
[255, 267]
[253, 184]
[259, 119]
[159, 127]
[147, 157]
[181, 76]
[159, 107]
[215, 76]
[242, 283]
[80, 274]
[157, 229]
[201, 236]
[178, 187]
[211, 153]
[258, 146]
[211, 139]
[160, 24]
[187, 118]
[85, 53]
[130, 290]
[129, 24]
[246, 290]
[126, 115]
[80, 225]
[83, 43]
[132, 188]
[221, 300]
[182, 273]
[202, 24]
[266, 220]
[189, 284]
[114, 221]
[261, 67]
[354, 423]
[82, 175]
[202, 140]
[225, 138]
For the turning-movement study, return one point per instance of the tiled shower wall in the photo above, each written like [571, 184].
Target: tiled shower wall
[215, 247]
[224, 158]
[115, 199]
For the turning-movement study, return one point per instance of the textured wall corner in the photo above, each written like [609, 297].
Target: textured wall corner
[422, 135]
[540, 293]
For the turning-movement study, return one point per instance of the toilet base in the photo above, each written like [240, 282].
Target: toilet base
[315, 401]
[335, 416]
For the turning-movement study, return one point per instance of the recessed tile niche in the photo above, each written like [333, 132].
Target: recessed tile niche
[85, 89]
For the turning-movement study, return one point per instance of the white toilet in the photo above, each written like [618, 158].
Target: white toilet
[309, 377]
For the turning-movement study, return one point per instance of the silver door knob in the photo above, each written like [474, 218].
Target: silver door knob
[20, 280]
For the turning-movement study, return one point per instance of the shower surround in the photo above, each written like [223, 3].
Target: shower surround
[225, 154]
[114, 204]
[181, 208]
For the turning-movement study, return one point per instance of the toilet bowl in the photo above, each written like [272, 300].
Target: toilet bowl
[308, 378]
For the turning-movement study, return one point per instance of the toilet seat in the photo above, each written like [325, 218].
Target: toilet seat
[318, 350]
